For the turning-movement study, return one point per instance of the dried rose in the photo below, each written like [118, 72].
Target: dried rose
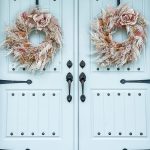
[138, 31]
[26, 44]
[24, 15]
[21, 49]
[42, 20]
[22, 34]
[128, 17]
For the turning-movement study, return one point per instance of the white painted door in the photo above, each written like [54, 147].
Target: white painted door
[114, 116]
[37, 116]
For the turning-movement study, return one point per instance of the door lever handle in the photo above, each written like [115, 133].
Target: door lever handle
[82, 79]
[13, 81]
[123, 81]
[69, 79]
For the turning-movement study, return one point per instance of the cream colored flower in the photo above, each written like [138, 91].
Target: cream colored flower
[128, 17]
[42, 20]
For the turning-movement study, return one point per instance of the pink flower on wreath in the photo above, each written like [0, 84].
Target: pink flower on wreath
[42, 20]
[139, 32]
[24, 15]
[21, 49]
[128, 17]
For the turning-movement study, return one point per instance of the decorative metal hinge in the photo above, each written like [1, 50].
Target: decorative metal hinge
[134, 149]
[14, 82]
[123, 81]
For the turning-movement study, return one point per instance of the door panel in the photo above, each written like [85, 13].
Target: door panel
[117, 114]
[25, 113]
[37, 116]
[114, 115]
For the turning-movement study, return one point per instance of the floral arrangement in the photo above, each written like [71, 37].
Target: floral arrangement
[112, 53]
[17, 39]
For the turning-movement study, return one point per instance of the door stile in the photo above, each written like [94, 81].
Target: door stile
[76, 75]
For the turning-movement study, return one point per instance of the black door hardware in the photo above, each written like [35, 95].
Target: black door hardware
[82, 64]
[13, 82]
[69, 79]
[69, 64]
[123, 81]
[118, 2]
[37, 2]
[135, 149]
[82, 79]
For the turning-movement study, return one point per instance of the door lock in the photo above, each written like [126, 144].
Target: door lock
[82, 64]
[82, 79]
[69, 64]
[69, 79]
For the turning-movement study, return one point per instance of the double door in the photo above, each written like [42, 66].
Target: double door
[102, 113]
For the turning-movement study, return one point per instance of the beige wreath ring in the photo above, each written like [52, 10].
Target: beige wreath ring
[110, 52]
[23, 51]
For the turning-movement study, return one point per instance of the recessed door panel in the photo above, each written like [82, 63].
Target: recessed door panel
[118, 113]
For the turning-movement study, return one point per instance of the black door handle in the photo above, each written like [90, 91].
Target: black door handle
[13, 82]
[69, 79]
[123, 81]
[82, 79]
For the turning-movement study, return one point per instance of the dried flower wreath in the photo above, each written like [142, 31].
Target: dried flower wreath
[112, 53]
[17, 39]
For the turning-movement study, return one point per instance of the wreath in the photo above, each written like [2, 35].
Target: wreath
[110, 52]
[23, 51]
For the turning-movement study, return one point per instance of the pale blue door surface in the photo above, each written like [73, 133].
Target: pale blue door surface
[114, 116]
[37, 116]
